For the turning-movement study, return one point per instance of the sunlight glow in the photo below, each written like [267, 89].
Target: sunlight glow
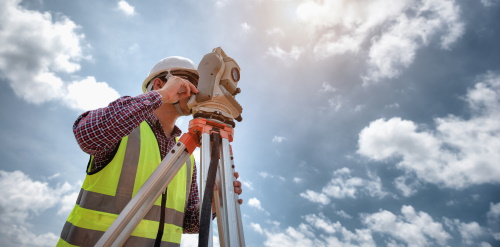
[308, 10]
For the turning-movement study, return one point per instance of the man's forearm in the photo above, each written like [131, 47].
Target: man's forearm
[101, 129]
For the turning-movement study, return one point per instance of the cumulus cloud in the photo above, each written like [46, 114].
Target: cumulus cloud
[344, 185]
[126, 8]
[407, 185]
[254, 202]
[343, 214]
[257, 228]
[458, 153]
[246, 183]
[390, 31]
[21, 198]
[36, 50]
[489, 3]
[287, 56]
[271, 176]
[278, 139]
[327, 88]
[317, 230]
[414, 228]
[246, 27]
[89, 94]
[494, 219]
[409, 227]
[316, 197]
[469, 232]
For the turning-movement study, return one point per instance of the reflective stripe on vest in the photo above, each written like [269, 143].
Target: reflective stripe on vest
[104, 195]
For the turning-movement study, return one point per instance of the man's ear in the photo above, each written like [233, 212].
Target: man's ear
[157, 83]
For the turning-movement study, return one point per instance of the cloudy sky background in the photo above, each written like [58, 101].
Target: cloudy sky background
[366, 123]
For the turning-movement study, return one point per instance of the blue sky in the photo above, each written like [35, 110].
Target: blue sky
[365, 123]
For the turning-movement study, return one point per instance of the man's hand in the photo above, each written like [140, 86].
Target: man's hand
[175, 89]
[237, 187]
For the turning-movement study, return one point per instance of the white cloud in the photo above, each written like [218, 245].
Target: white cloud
[406, 187]
[18, 235]
[126, 8]
[396, 48]
[336, 102]
[359, 108]
[297, 180]
[255, 203]
[343, 214]
[321, 222]
[246, 27]
[36, 50]
[275, 32]
[469, 232]
[494, 219]
[414, 228]
[286, 56]
[267, 175]
[489, 3]
[189, 240]
[257, 228]
[67, 203]
[21, 198]
[344, 185]
[409, 228]
[278, 139]
[88, 94]
[247, 184]
[392, 106]
[327, 88]
[494, 210]
[315, 197]
[264, 174]
[459, 153]
[221, 3]
[391, 31]
[330, 234]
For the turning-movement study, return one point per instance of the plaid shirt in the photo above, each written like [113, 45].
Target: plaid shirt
[99, 131]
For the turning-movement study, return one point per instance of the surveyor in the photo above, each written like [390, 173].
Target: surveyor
[126, 141]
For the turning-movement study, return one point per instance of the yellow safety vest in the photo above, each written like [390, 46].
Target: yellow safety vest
[104, 194]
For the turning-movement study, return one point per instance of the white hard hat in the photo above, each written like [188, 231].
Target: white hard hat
[168, 64]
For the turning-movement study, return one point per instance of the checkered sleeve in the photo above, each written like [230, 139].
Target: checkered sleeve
[192, 212]
[98, 131]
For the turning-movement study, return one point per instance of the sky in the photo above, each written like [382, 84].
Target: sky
[365, 123]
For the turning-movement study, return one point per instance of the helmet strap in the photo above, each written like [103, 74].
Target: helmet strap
[177, 107]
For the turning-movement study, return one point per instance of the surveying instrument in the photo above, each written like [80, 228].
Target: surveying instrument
[214, 110]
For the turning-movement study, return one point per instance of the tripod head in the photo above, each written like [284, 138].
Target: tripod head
[217, 86]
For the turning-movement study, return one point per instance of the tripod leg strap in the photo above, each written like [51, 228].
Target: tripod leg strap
[161, 226]
[206, 207]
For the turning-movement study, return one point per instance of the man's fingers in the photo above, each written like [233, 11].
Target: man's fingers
[237, 187]
[238, 190]
[193, 88]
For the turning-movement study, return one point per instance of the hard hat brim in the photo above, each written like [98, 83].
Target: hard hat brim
[146, 81]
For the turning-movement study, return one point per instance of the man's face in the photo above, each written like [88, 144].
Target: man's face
[184, 105]
[192, 78]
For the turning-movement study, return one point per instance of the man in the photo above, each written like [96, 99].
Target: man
[126, 141]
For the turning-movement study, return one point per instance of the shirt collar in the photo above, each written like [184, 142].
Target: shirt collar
[156, 125]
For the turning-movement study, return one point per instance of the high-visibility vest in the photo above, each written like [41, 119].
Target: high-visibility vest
[104, 194]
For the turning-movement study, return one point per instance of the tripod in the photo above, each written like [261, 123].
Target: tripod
[216, 168]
